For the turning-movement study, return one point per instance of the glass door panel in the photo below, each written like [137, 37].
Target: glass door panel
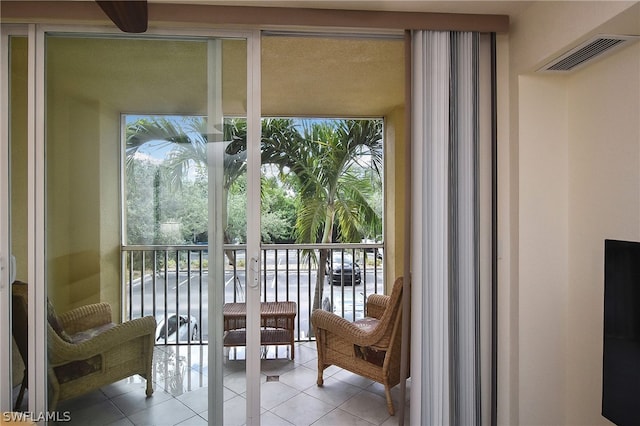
[322, 202]
[145, 159]
[15, 213]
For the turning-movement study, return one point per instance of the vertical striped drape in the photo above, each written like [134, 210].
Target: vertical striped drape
[445, 254]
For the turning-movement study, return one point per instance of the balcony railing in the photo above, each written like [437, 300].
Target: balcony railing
[171, 283]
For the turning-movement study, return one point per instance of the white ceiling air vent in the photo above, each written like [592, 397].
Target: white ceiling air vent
[594, 48]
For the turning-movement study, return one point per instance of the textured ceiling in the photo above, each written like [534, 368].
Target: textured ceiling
[313, 76]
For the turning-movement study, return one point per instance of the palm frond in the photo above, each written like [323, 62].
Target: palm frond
[354, 214]
[310, 220]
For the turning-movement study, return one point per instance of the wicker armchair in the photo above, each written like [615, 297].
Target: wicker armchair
[88, 351]
[369, 347]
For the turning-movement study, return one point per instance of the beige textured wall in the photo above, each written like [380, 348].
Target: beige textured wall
[561, 177]
[543, 219]
[507, 292]
[604, 202]
[395, 196]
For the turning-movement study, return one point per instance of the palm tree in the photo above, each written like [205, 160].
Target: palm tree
[334, 196]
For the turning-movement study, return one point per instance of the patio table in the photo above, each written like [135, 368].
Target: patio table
[277, 322]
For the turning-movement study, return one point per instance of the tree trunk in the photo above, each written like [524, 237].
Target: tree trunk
[324, 253]
[322, 266]
[322, 261]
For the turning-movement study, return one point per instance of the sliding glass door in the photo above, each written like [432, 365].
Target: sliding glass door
[137, 143]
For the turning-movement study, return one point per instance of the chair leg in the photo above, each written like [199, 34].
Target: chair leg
[320, 352]
[54, 390]
[149, 390]
[320, 380]
[23, 386]
[387, 391]
[149, 366]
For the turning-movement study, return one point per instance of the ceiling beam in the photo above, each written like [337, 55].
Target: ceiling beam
[165, 13]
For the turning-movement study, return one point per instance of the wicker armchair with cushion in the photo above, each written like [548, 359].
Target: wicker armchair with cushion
[88, 351]
[369, 347]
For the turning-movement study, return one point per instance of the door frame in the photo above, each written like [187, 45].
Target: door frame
[6, 32]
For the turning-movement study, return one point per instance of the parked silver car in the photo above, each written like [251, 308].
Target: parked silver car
[178, 327]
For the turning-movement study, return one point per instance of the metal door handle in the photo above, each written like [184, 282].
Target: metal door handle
[254, 266]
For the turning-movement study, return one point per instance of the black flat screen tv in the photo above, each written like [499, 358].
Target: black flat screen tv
[621, 354]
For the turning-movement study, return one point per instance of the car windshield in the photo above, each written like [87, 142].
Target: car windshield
[338, 257]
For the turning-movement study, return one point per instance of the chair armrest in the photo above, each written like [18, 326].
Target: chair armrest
[62, 352]
[376, 305]
[332, 323]
[86, 317]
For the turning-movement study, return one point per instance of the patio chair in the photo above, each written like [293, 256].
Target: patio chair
[369, 347]
[86, 350]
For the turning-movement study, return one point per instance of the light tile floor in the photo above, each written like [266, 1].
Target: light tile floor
[289, 395]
